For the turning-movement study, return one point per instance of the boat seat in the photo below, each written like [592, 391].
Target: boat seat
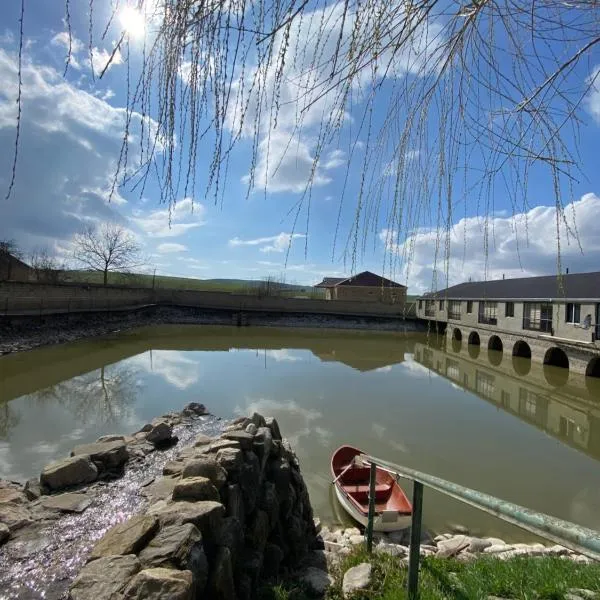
[361, 492]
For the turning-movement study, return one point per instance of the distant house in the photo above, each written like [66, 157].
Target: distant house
[364, 287]
[14, 269]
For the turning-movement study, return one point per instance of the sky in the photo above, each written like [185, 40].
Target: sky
[70, 138]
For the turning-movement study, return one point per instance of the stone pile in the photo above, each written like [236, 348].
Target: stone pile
[63, 486]
[227, 513]
[339, 542]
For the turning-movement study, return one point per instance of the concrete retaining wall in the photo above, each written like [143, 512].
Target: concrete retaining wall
[32, 297]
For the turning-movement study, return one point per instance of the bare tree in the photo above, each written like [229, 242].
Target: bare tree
[110, 247]
[10, 247]
[47, 268]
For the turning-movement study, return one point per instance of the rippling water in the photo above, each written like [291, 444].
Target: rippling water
[488, 421]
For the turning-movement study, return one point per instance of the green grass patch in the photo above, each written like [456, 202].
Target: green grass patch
[546, 578]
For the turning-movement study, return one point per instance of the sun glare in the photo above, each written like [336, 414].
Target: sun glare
[133, 22]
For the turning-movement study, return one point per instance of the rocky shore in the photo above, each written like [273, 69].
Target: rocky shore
[186, 508]
[18, 334]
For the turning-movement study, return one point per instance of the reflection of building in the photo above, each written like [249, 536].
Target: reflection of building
[571, 413]
[13, 269]
[364, 287]
[548, 319]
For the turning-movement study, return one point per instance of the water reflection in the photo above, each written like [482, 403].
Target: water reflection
[409, 398]
[570, 412]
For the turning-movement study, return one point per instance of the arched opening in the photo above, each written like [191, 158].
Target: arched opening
[555, 357]
[474, 338]
[521, 358]
[593, 368]
[495, 343]
[522, 349]
[556, 367]
[456, 340]
[495, 350]
[473, 347]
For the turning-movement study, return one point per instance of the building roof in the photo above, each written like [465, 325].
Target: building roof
[547, 287]
[364, 279]
[329, 282]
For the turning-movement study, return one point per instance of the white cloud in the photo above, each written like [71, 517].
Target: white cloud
[307, 94]
[283, 355]
[170, 248]
[274, 243]
[184, 216]
[520, 246]
[80, 53]
[69, 145]
[286, 164]
[174, 366]
[592, 100]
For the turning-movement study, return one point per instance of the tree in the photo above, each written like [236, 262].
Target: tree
[451, 101]
[10, 247]
[110, 247]
[46, 267]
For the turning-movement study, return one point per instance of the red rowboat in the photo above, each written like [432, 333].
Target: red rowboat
[351, 481]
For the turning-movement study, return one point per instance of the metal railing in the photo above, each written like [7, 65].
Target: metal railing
[580, 539]
[543, 324]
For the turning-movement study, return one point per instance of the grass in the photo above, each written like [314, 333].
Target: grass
[546, 578]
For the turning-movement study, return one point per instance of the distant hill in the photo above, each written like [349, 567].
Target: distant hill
[188, 283]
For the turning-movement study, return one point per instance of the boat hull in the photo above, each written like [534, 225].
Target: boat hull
[401, 522]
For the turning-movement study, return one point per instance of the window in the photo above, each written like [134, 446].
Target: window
[420, 304]
[509, 309]
[469, 306]
[441, 305]
[537, 316]
[573, 313]
[488, 313]
[454, 309]
[429, 308]
[505, 399]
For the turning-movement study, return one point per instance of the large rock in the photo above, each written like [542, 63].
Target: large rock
[235, 502]
[12, 495]
[273, 425]
[33, 489]
[195, 488]
[451, 547]
[272, 560]
[203, 440]
[14, 516]
[206, 516]
[105, 578]
[196, 407]
[126, 538]
[232, 536]
[220, 585]
[244, 439]
[279, 474]
[249, 478]
[316, 580]
[160, 433]
[257, 531]
[205, 466]
[69, 502]
[4, 533]
[221, 444]
[174, 467]
[231, 459]
[161, 489]
[161, 584]
[355, 579]
[263, 442]
[69, 472]
[178, 547]
[110, 455]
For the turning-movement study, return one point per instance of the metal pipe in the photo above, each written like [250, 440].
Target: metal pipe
[415, 541]
[580, 539]
[372, 481]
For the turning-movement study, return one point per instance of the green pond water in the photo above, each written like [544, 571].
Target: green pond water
[517, 430]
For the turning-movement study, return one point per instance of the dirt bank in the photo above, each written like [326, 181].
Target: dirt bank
[24, 333]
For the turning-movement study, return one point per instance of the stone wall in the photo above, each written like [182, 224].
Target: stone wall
[228, 513]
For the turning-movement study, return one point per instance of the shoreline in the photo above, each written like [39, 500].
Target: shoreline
[22, 333]
[56, 521]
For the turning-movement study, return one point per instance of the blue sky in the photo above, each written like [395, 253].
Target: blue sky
[71, 137]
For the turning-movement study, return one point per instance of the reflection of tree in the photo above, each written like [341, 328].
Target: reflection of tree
[8, 419]
[103, 396]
